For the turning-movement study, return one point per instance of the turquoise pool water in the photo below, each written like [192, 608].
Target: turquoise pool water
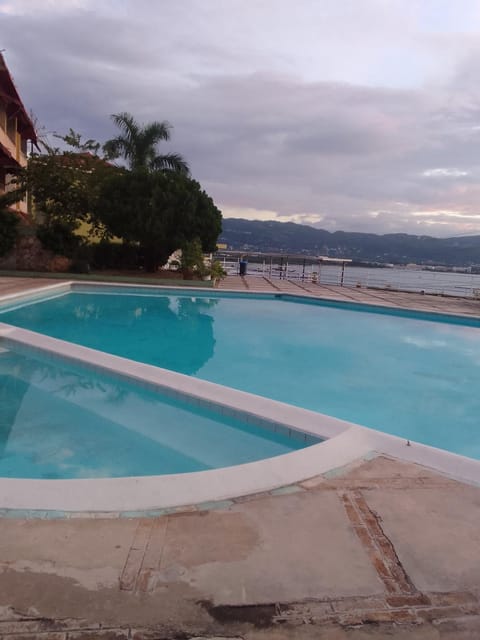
[416, 378]
[62, 421]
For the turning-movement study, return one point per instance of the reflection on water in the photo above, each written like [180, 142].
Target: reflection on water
[60, 420]
[18, 373]
[171, 332]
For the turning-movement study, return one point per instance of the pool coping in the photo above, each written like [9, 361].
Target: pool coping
[344, 442]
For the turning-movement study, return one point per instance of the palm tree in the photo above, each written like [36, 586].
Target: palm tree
[137, 144]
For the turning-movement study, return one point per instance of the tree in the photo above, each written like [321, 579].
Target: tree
[64, 186]
[137, 144]
[74, 140]
[154, 204]
[161, 211]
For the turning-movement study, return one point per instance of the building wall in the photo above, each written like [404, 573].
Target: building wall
[16, 146]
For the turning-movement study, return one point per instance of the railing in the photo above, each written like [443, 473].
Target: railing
[232, 267]
[395, 279]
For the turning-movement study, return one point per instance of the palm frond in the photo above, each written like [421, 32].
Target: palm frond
[137, 144]
[156, 131]
[126, 123]
[171, 162]
[114, 148]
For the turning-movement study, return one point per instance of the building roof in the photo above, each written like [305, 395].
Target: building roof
[15, 106]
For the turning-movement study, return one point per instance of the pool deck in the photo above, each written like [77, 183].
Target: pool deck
[379, 549]
[382, 297]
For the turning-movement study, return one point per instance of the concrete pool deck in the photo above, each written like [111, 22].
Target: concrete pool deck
[385, 549]
[380, 549]
[384, 297]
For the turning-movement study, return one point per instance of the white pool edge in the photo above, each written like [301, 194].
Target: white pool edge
[345, 442]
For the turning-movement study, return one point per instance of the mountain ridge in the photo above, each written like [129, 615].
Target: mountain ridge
[271, 236]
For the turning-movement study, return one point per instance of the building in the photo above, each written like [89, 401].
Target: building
[16, 129]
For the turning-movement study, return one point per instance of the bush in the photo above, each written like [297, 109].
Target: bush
[192, 259]
[217, 271]
[80, 266]
[59, 238]
[115, 255]
[8, 230]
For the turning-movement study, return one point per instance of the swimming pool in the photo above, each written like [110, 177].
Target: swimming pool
[404, 373]
[60, 420]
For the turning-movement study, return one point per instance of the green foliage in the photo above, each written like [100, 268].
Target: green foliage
[9, 220]
[74, 140]
[10, 198]
[8, 230]
[208, 220]
[217, 271]
[155, 207]
[65, 184]
[192, 259]
[114, 255]
[137, 145]
[57, 236]
[161, 211]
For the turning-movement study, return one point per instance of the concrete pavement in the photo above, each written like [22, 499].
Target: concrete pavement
[383, 545]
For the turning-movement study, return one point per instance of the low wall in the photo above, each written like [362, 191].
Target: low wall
[29, 255]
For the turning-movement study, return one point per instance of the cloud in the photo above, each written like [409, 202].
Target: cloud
[444, 173]
[340, 115]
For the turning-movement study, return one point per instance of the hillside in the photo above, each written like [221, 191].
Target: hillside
[398, 248]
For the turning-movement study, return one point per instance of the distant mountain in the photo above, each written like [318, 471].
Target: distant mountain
[398, 248]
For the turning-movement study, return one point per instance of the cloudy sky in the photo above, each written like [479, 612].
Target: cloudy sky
[362, 115]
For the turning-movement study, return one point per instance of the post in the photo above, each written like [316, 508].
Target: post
[286, 269]
[271, 266]
[343, 274]
[303, 271]
[281, 267]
